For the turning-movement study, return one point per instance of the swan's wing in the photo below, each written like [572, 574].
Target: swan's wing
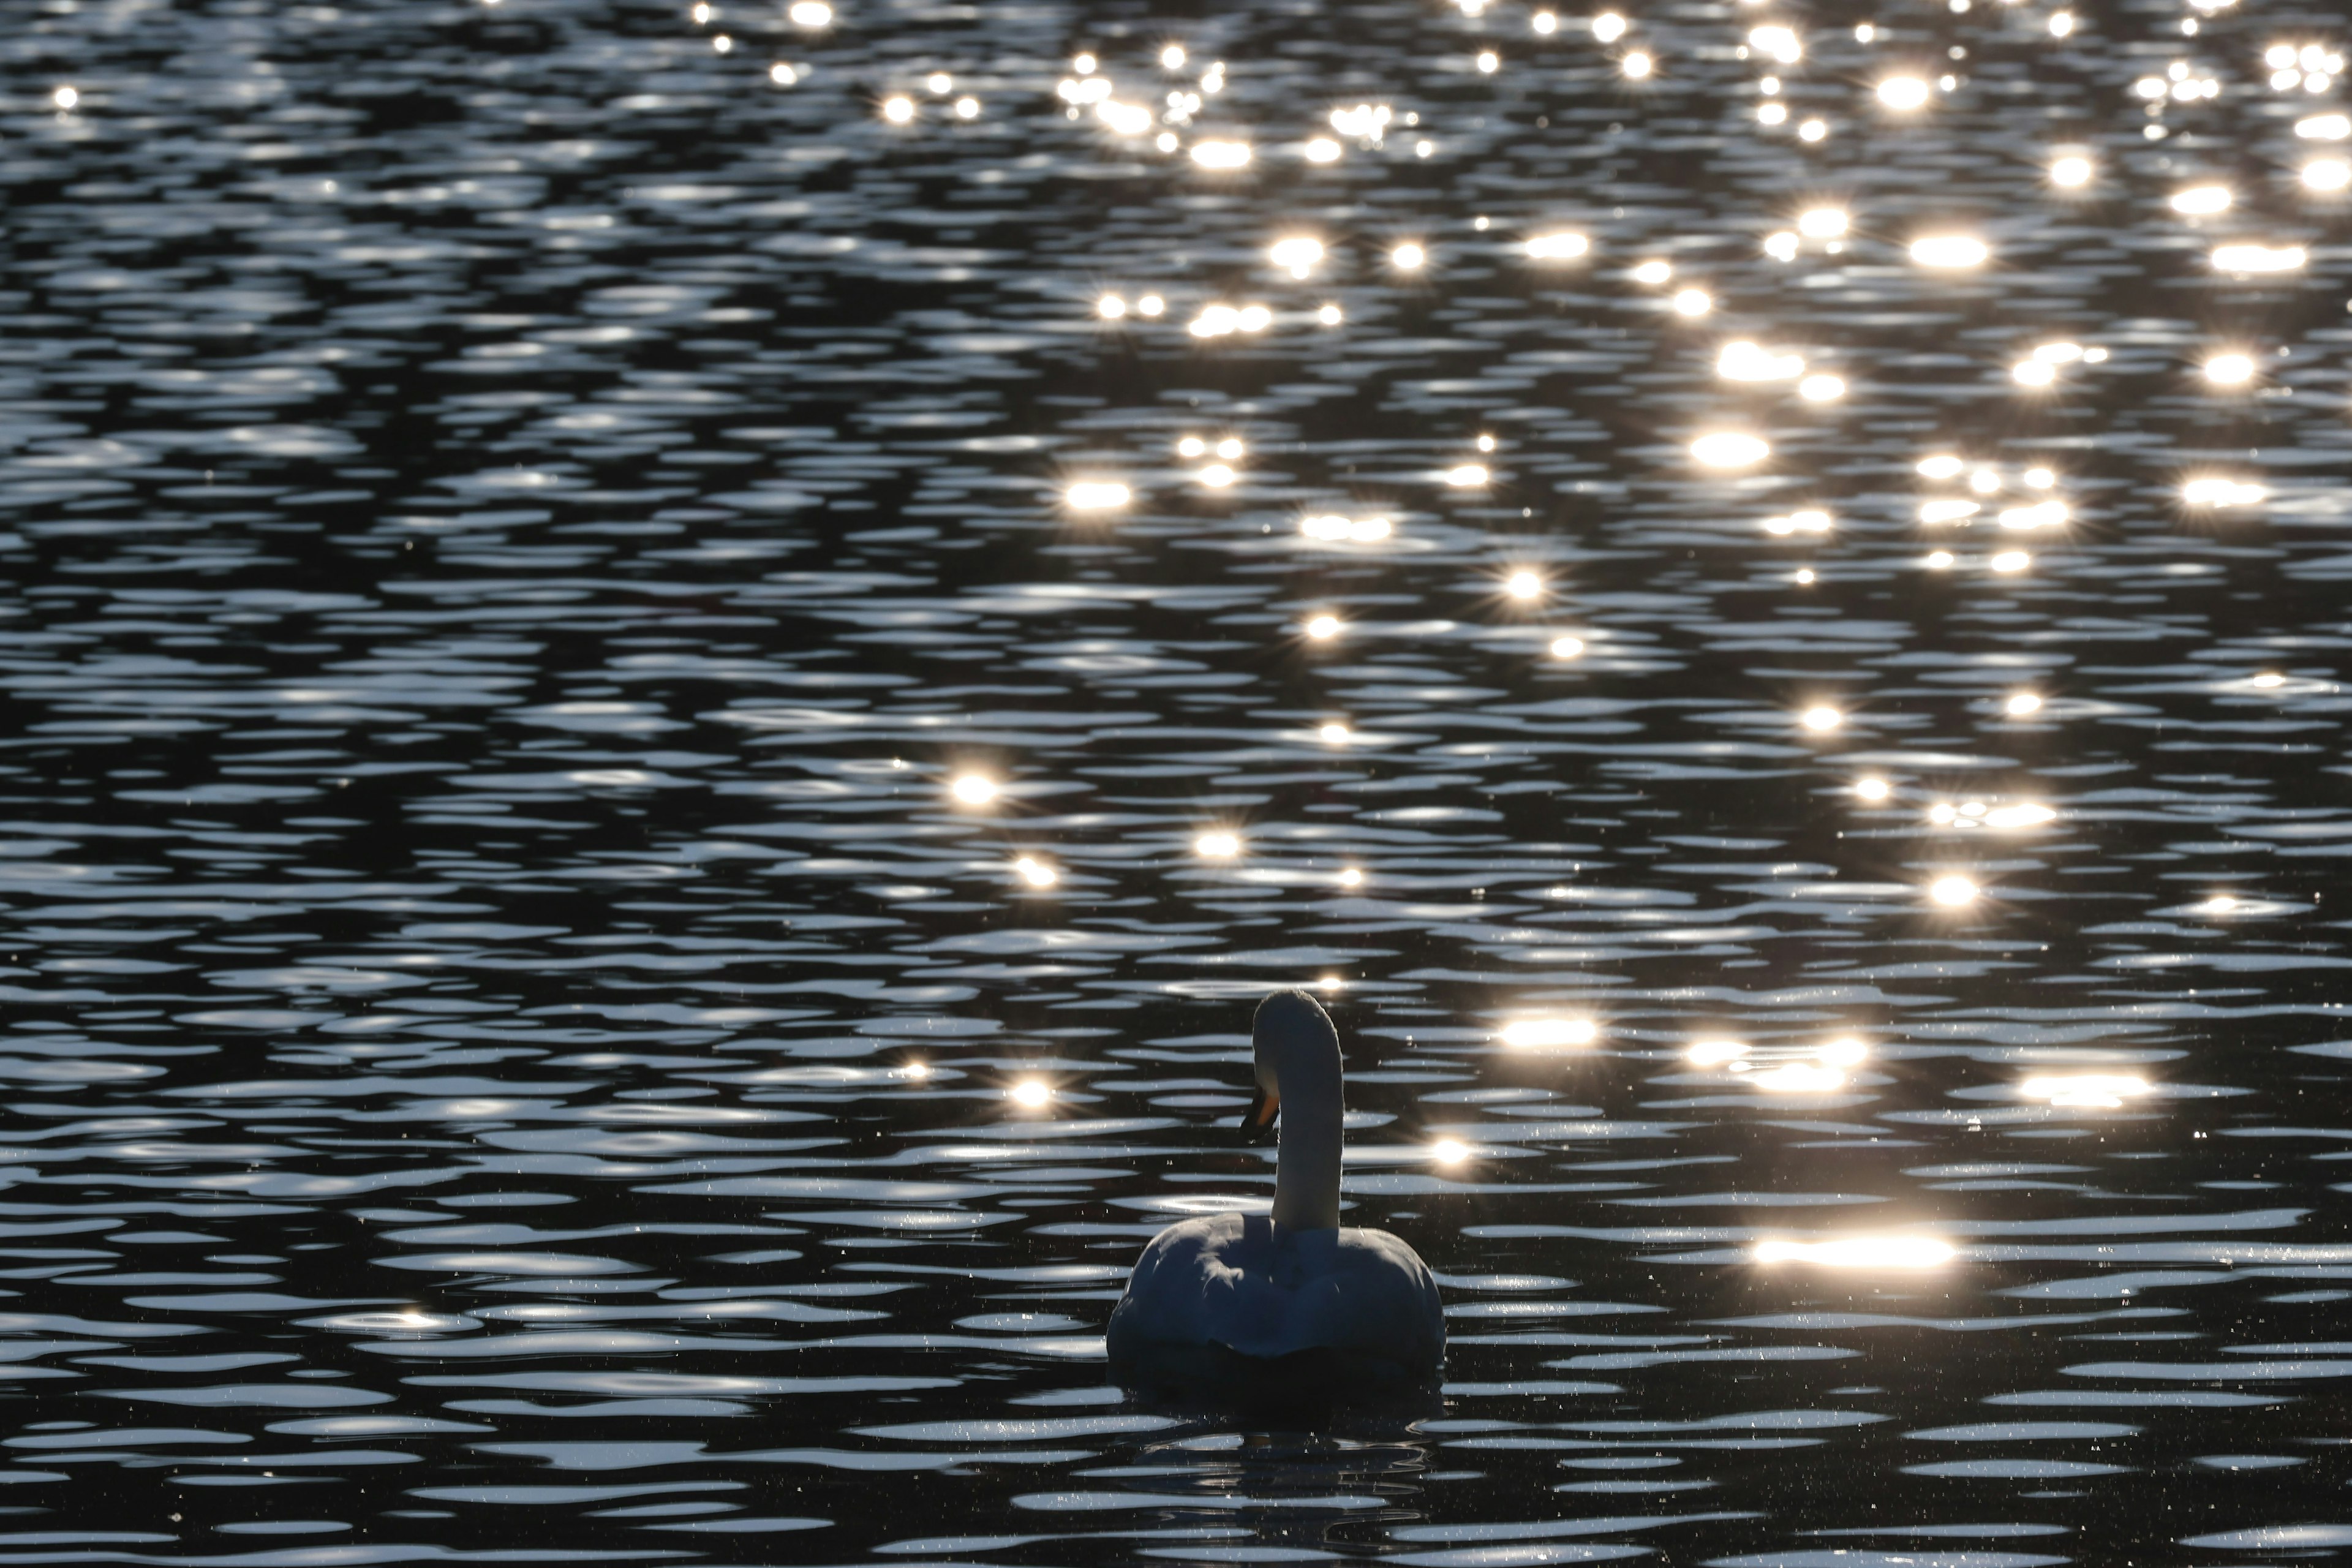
[1189, 1288]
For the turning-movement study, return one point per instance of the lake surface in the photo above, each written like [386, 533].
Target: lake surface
[615, 924]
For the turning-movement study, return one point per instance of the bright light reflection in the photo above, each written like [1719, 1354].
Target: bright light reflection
[2327, 175]
[1799, 1077]
[1036, 872]
[2258, 258]
[1296, 255]
[1953, 892]
[1549, 1034]
[1693, 302]
[2071, 173]
[1823, 223]
[1221, 155]
[1560, 246]
[897, 111]
[1608, 26]
[2011, 560]
[1322, 628]
[1449, 1150]
[1523, 585]
[1217, 846]
[1467, 476]
[1860, 1252]
[1322, 150]
[1904, 93]
[1334, 734]
[1949, 251]
[1730, 449]
[1097, 497]
[1741, 360]
[2020, 704]
[1408, 257]
[1566, 647]
[1873, 788]
[974, 789]
[2202, 201]
[1821, 388]
[1714, 1053]
[1031, 1093]
[2214, 490]
[2229, 370]
[1638, 66]
[2087, 1090]
[1820, 719]
[810, 14]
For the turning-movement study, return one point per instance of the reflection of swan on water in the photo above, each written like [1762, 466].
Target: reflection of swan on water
[1227, 1296]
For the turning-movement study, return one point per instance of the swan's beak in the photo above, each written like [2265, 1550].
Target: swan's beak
[1259, 1119]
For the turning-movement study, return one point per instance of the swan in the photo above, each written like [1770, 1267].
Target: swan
[1226, 1296]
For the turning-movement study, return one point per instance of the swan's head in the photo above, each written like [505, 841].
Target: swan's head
[1296, 1047]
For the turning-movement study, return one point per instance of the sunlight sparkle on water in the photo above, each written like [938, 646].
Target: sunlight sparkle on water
[1449, 1150]
[1221, 155]
[1714, 1053]
[1218, 845]
[1031, 1093]
[1561, 246]
[1523, 585]
[1951, 251]
[1820, 719]
[1322, 628]
[2257, 257]
[1821, 387]
[2084, 1091]
[810, 14]
[1036, 872]
[1860, 1252]
[2022, 703]
[1730, 449]
[1566, 647]
[2202, 201]
[1097, 495]
[2213, 491]
[2228, 369]
[1297, 255]
[1873, 788]
[1466, 476]
[1407, 258]
[1693, 302]
[1904, 93]
[1742, 360]
[1333, 527]
[1334, 734]
[1953, 891]
[2010, 562]
[2071, 173]
[1549, 1034]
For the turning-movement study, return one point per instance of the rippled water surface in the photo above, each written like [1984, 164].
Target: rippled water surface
[514, 520]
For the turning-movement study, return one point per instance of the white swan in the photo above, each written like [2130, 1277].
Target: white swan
[1292, 1288]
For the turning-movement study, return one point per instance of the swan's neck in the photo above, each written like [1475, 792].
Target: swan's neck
[1306, 1172]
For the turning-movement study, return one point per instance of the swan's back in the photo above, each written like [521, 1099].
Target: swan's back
[1244, 1285]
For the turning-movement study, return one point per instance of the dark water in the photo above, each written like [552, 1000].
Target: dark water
[513, 520]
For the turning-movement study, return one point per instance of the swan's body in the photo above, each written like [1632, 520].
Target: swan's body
[1213, 1295]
